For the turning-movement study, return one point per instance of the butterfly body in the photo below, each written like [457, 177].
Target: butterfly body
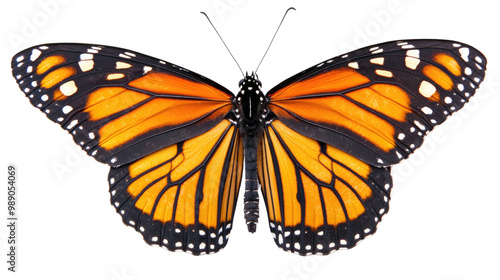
[250, 102]
[320, 144]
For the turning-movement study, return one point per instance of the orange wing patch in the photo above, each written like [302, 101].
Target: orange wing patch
[331, 81]
[388, 100]
[57, 76]
[438, 76]
[163, 83]
[153, 114]
[449, 63]
[107, 101]
[49, 62]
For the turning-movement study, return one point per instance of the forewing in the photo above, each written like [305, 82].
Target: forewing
[117, 104]
[377, 103]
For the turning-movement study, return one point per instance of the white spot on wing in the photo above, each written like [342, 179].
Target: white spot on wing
[122, 65]
[427, 110]
[427, 89]
[66, 109]
[86, 65]
[86, 56]
[68, 88]
[412, 59]
[378, 60]
[72, 124]
[353, 65]
[35, 54]
[464, 52]
[115, 76]
[419, 125]
[384, 73]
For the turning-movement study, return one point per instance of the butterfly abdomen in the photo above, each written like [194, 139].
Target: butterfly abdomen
[250, 108]
[251, 197]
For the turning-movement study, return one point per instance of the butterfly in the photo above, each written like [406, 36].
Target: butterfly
[319, 145]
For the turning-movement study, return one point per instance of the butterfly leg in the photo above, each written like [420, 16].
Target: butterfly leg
[251, 200]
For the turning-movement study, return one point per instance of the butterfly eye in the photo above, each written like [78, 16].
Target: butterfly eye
[241, 82]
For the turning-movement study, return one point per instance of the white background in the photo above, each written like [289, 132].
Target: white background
[444, 216]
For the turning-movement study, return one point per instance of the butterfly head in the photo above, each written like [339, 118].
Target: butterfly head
[250, 99]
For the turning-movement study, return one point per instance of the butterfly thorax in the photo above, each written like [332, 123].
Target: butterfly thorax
[250, 104]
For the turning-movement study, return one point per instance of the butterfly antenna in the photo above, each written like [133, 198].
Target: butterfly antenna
[223, 42]
[291, 8]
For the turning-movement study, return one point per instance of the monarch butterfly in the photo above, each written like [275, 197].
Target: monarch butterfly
[320, 144]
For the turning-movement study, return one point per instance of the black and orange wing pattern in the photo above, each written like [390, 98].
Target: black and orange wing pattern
[318, 197]
[160, 127]
[183, 197]
[335, 129]
[119, 105]
[378, 102]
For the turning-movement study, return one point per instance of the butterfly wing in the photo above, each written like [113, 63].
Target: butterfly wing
[183, 197]
[168, 134]
[318, 197]
[335, 129]
[118, 105]
[377, 103]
